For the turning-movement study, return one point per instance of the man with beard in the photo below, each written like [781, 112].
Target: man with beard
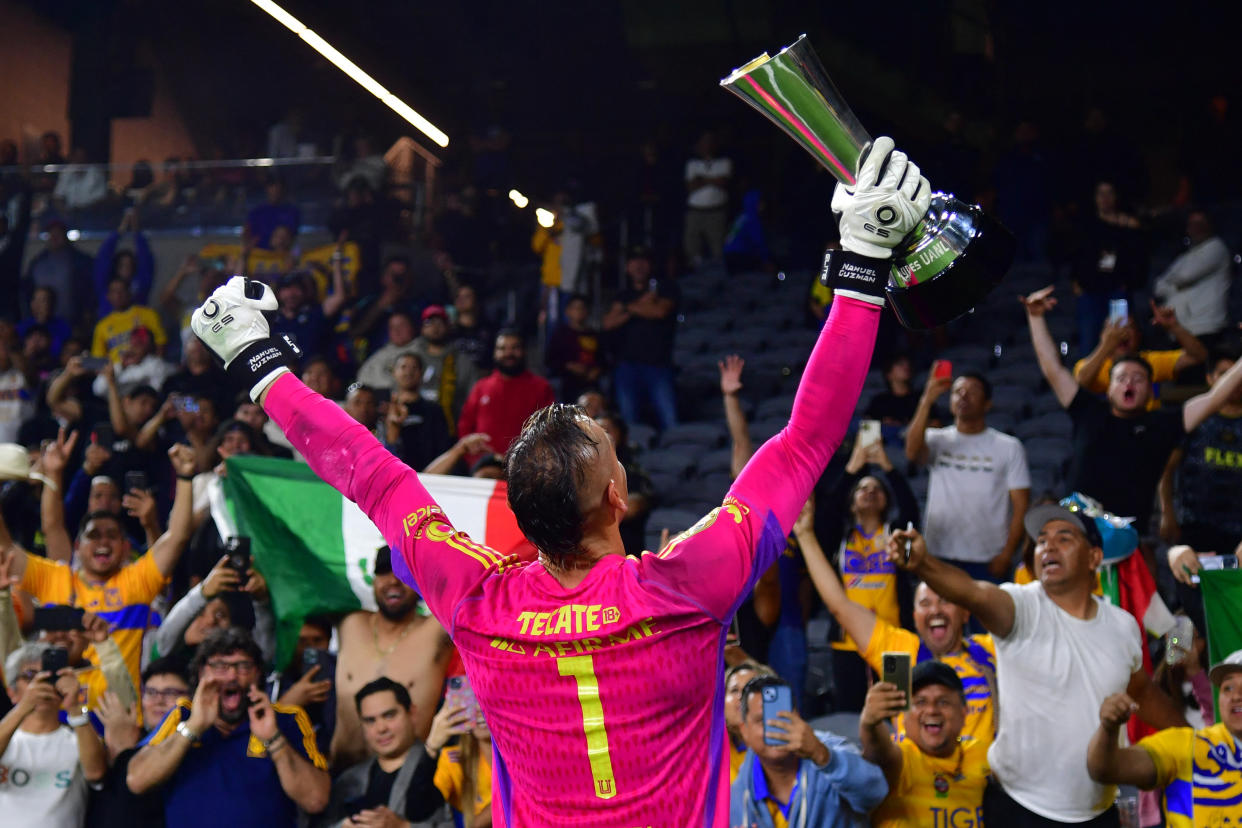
[105, 582]
[934, 776]
[1120, 448]
[397, 642]
[448, 373]
[500, 402]
[231, 757]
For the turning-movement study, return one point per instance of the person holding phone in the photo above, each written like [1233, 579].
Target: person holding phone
[1123, 336]
[48, 764]
[464, 770]
[795, 774]
[1060, 651]
[935, 777]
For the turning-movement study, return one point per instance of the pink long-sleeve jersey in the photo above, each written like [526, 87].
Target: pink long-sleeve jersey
[605, 701]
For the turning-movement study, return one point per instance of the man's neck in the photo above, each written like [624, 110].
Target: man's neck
[435, 348]
[869, 523]
[954, 647]
[385, 625]
[1075, 600]
[595, 547]
[389, 764]
[781, 776]
[40, 721]
[971, 426]
[899, 388]
[1125, 415]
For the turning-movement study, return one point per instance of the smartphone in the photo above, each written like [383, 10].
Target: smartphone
[775, 700]
[1118, 309]
[94, 364]
[186, 403]
[315, 657]
[55, 659]
[460, 694]
[238, 550]
[942, 369]
[103, 435]
[56, 618]
[896, 670]
[135, 480]
[354, 806]
[869, 432]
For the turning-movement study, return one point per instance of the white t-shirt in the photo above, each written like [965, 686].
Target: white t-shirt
[1053, 671]
[968, 506]
[41, 781]
[710, 197]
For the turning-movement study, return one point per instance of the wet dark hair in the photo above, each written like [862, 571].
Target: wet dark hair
[381, 684]
[223, 642]
[1138, 360]
[756, 685]
[545, 467]
[981, 379]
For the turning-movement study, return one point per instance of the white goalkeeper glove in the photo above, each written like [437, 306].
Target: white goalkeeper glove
[887, 200]
[231, 323]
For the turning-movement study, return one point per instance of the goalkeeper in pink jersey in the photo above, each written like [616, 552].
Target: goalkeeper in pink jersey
[599, 674]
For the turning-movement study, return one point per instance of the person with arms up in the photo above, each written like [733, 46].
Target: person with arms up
[793, 775]
[105, 582]
[940, 625]
[464, 770]
[614, 662]
[1120, 448]
[230, 756]
[1199, 771]
[1120, 337]
[936, 776]
[1060, 651]
[980, 485]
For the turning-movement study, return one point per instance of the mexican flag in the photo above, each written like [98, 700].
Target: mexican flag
[1222, 607]
[317, 550]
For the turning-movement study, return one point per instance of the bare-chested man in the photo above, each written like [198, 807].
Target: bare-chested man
[396, 642]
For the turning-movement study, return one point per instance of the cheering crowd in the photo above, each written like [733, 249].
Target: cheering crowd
[139, 643]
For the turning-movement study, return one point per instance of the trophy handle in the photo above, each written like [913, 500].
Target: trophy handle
[794, 92]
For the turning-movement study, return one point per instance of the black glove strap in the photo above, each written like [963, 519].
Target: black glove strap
[261, 358]
[844, 270]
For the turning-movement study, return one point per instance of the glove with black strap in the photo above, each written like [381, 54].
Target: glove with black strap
[886, 202]
[232, 325]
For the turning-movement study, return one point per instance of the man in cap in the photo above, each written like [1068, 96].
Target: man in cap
[935, 775]
[1199, 771]
[1060, 652]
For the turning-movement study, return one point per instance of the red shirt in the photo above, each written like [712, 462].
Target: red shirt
[498, 405]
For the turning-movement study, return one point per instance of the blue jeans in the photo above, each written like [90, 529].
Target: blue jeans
[635, 383]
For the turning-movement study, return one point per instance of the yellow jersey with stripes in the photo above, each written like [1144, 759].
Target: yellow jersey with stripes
[1200, 773]
[974, 663]
[936, 792]
[124, 601]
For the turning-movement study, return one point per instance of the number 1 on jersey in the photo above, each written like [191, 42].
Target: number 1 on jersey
[582, 670]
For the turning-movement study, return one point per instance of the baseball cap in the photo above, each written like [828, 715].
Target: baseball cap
[935, 672]
[141, 334]
[1231, 664]
[1039, 517]
[488, 461]
[434, 310]
[383, 561]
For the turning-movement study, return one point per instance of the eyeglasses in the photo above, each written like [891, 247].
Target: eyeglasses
[220, 666]
[170, 694]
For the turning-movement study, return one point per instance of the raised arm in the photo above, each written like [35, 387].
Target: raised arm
[986, 601]
[1111, 335]
[916, 434]
[1197, 409]
[56, 537]
[884, 701]
[1194, 351]
[1107, 762]
[1058, 376]
[739, 434]
[167, 550]
[857, 621]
